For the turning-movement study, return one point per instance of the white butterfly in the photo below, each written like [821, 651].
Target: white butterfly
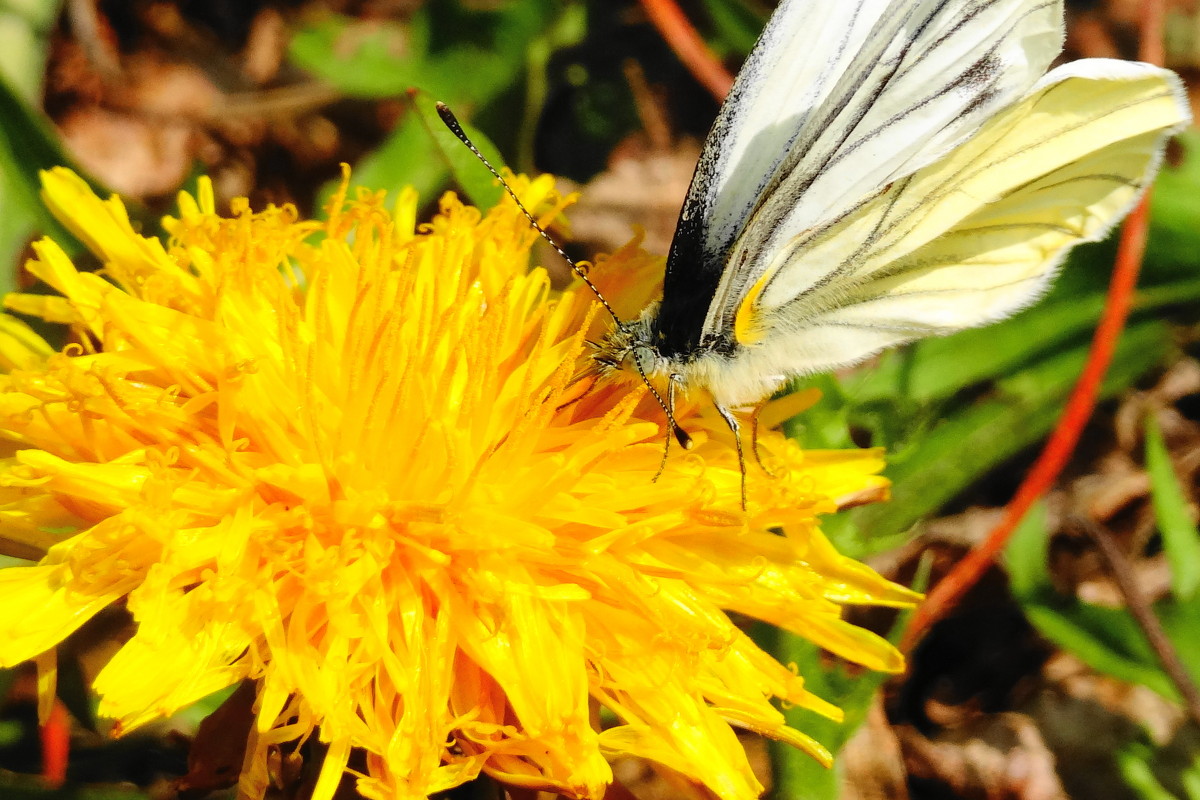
[885, 170]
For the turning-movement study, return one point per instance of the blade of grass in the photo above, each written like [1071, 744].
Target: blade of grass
[1139, 607]
[27, 145]
[737, 26]
[1181, 540]
[1134, 764]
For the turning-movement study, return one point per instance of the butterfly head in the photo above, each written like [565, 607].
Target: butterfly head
[629, 347]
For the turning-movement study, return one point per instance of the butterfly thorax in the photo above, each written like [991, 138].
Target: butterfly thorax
[732, 375]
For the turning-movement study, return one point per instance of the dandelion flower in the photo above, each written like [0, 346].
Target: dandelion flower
[357, 463]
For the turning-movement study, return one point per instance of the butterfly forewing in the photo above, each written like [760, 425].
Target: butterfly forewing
[836, 101]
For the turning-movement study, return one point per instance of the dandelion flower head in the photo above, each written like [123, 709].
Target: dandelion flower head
[358, 463]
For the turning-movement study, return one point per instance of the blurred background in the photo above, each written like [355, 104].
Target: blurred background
[1067, 672]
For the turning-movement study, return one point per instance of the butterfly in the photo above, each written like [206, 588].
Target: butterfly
[883, 171]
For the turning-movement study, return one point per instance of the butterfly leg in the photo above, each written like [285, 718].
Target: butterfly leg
[671, 429]
[662, 465]
[736, 427]
[754, 445]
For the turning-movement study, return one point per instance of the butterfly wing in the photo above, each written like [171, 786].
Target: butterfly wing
[972, 237]
[836, 100]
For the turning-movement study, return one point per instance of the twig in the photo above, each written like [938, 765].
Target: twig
[1122, 572]
[686, 42]
[91, 31]
[1080, 405]
[296, 98]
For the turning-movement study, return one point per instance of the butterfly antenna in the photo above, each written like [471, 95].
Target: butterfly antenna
[681, 435]
[456, 128]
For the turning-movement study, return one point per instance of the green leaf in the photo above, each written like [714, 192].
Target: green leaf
[1134, 763]
[567, 30]
[1190, 779]
[1181, 540]
[1025, 556]
[1181, 620]
[737, 25]
[10, 733]
[1106, 639]
[465, 58]
[191, 716]
[27, 146]
[365, 59]
[462, 56]
[797, 775]
[29, 139]
[826, 425]
[1175, 207]
[7, 677]
[25, 27]
[1109, 640]
[1160, 772]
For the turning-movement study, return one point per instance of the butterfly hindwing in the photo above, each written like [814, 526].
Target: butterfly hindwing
[977, 235]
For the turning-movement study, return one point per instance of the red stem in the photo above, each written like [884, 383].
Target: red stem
[689, 46]
[56, 744]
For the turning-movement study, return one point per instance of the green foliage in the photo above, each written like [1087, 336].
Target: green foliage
[7, 733]
[25, 27]
[1110, 641]
[424, 154]
[1181, 540]
[736, 25]
[467, 59]
[1171, 248]
[376, 59]
[1107, 639]
[24, 32]
[1146, 770]
[937, 447]
[463, 57]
